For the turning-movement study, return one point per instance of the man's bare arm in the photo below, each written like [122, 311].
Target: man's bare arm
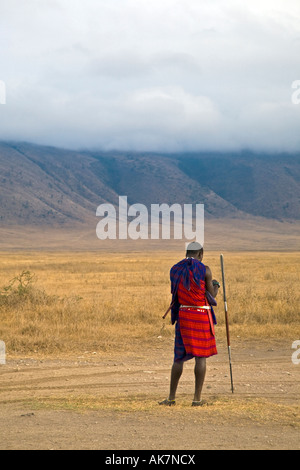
[213, 290]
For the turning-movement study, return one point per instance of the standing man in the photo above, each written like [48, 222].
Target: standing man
[194, 292]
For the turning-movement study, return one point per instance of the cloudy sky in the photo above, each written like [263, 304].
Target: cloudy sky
[163, 75]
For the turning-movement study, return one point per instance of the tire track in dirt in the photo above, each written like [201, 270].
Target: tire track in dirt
[126, 382]
[119, 396]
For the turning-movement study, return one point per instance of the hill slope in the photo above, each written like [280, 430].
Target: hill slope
[55, 187]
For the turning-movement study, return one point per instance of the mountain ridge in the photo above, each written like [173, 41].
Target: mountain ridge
[48, 186]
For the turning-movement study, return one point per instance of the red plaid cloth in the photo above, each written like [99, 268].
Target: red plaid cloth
[190, 274]
[195, 335]
[195, 331]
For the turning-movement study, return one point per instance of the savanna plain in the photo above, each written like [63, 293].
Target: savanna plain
[88, 355]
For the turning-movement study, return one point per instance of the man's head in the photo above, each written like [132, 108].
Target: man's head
[194, 250]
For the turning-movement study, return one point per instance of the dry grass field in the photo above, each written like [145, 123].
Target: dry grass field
[73, 302]
[89, 356]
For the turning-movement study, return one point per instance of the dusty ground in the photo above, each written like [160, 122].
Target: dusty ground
[97, 401]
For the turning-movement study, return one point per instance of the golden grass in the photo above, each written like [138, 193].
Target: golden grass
[95, 301]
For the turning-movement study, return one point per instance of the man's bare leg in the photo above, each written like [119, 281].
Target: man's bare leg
[176, 373]
[200, 372]
[175, 377]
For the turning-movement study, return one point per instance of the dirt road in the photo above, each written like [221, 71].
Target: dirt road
[110, 402]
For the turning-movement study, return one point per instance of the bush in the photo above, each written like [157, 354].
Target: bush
[20, 289]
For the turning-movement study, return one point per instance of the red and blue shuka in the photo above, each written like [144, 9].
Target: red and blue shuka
[192, 311]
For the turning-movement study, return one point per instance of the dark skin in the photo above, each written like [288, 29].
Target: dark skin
[200, 362]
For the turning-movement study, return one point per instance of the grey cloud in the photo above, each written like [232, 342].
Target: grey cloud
[126, 64]
[151, 75]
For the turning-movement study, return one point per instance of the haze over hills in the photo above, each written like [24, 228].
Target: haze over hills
[56, 188]
[45, 185]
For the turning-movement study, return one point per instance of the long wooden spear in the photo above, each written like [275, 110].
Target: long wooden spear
[226, 320]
